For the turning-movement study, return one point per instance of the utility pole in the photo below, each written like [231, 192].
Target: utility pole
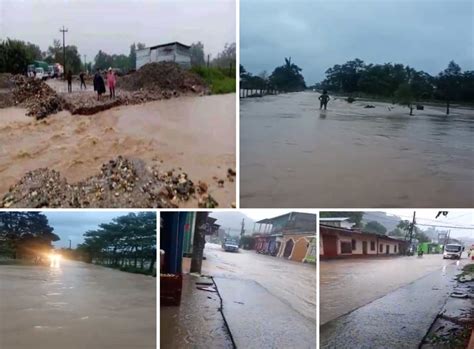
[64, 31]
[412, 227]
[199, 242]
[69, 243]
[85, 64]
[208, 56]
[242, 229]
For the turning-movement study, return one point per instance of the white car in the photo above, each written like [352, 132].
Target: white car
[40, 74]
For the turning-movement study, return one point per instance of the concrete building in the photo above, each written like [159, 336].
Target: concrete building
[170, 52]
[291, 236]
[338, 242]
[341, 222]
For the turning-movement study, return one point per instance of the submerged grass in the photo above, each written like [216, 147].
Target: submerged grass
[218, 81]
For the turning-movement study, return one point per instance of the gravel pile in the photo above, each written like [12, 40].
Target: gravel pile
[121, 182]
[162, 76]
[39, 99]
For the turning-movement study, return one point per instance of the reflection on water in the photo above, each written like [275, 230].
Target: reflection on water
[294, 155]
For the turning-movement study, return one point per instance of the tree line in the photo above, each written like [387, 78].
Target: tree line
[127, 242]
[285, 78]
[399, 82]
[25, 235]
[16, 55]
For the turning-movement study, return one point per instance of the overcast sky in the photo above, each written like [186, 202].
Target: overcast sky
[71, 225]
[424, 34]
[455, 218]
[113, 25]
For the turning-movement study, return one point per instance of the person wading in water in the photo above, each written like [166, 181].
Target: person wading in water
[324, 98]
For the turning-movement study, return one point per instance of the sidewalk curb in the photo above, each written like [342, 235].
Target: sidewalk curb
[222, 313]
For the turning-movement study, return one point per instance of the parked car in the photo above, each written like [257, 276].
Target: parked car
[452, 251]
[230, 245]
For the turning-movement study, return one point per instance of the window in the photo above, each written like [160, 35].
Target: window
[346, 247]
[372, 245]
[354, 244]
[381, 248]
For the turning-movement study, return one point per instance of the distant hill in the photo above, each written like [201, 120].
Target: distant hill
[388, 221]
[233, 221]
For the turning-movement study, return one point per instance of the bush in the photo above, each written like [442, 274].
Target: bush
[217, 79]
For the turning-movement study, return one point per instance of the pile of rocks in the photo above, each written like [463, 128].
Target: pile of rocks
[161, 76]
[121, 182]
[39, 99]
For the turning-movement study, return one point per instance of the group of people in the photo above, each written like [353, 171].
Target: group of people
[99, 84]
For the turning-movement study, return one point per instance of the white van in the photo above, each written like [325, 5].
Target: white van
[452, 251]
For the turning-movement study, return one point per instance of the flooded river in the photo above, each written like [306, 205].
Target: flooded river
[194, 133]
[294, 155]
[76, 306]
[349, 284]
[292, 282]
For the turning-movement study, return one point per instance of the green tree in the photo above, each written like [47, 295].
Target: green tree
[197, 54]
[404, 96]
[448, 83]
[15, 55]
[288, 77]
[133, 56]
[375, 227]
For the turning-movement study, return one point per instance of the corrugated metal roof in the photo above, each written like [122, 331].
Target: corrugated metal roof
[337, 219]
[168, 44]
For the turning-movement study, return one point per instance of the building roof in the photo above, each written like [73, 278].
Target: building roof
[270, 220]
[350, 232]
[168, 44]
[334, 219]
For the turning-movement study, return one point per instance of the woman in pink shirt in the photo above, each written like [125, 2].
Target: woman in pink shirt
[111, 80]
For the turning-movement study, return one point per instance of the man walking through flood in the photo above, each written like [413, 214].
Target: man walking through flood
[324, 99]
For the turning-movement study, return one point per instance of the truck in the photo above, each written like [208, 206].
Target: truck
[452, 251]
[38, 69]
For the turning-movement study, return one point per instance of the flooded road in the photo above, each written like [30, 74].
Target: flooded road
[400, 319]
[294, 155]
[291, 282]
[194, 133]
[76, 305]
[351, 283]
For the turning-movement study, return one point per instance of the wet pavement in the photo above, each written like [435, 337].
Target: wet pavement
[294, 155]
[257, 319]
[76, 306]
[348, 284]
[196, 134]
[196, 323]
[291, 282]
[400, 319]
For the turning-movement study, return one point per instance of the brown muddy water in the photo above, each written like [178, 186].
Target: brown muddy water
[294, 155]
[194, 133]
[76, 305]
[346, 285]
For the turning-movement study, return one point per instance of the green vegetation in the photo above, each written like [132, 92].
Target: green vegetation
[375, 227]
[286, 78]
[399, 82]
[25, 235]
[127, 243]
[220, 80]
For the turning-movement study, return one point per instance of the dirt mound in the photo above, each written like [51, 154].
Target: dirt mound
[6, 81]
[120, 183]
[162, 76]
[39, 99]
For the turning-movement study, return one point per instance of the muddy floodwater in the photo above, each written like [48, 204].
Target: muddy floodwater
[294, 155]
[194, 133]
[346, 285]
[292, 282]
[76, 306]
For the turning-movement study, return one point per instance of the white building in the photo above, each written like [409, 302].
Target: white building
[171, 52]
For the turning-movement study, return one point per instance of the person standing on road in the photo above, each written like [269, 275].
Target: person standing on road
[69, 81]
[99, 84]
[111, 80]
[81, 76]
[324, 99]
